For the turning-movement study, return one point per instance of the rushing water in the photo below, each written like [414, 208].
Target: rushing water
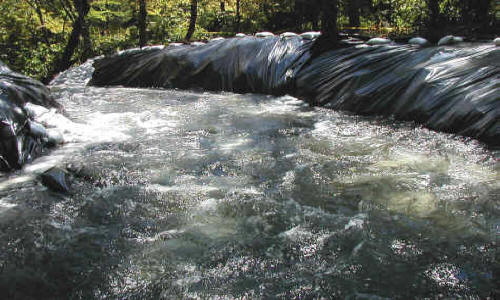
[187, 194]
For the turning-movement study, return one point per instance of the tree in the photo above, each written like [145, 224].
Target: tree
[192, 19]
[142, 23]
[79, 27]
[238, 16]
[433, 33]
[353, 12]
[329, 37]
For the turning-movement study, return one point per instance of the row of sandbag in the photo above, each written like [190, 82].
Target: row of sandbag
[453, 89]
[21, 138]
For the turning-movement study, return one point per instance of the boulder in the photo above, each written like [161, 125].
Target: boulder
[56, 179]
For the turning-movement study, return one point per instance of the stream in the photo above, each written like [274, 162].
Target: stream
[204, 195]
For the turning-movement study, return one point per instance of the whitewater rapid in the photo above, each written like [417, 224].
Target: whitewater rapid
[191, 194]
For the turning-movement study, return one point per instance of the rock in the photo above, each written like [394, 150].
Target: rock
[175, 44]
[450, 40]
[418, 41]
[56, 179]
[288, 34]
[497, 41]
[378, 41]
[310, 35]
[240, 35]
[264, 34]
[197, 43]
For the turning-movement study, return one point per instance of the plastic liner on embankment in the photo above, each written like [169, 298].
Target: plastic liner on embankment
[451, 89]
[21, 139]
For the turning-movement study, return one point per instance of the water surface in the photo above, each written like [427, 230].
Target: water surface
[189, 194]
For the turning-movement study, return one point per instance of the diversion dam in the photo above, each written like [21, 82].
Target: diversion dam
[230, 193]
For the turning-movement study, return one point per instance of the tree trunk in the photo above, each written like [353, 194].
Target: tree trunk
[222, 6]
[82, 7]
[353, 13]
[192, 19]
[88, 51]
[238, 16]
[433, 22]
[142, 23]
[329, 37]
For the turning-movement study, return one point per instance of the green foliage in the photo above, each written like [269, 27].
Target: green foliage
[33, 33]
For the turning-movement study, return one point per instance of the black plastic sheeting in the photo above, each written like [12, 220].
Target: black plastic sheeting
[452, 89]
[239, 65]
[18, 144]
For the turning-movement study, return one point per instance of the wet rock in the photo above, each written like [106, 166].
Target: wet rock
[497, 41]
[56, 179]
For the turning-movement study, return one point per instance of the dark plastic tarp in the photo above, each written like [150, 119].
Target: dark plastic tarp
[239, 65]
[17, 144]
[452, 89]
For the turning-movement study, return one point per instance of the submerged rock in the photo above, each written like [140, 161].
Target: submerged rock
[56, 179]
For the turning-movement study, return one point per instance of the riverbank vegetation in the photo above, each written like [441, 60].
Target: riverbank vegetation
[43, 37]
